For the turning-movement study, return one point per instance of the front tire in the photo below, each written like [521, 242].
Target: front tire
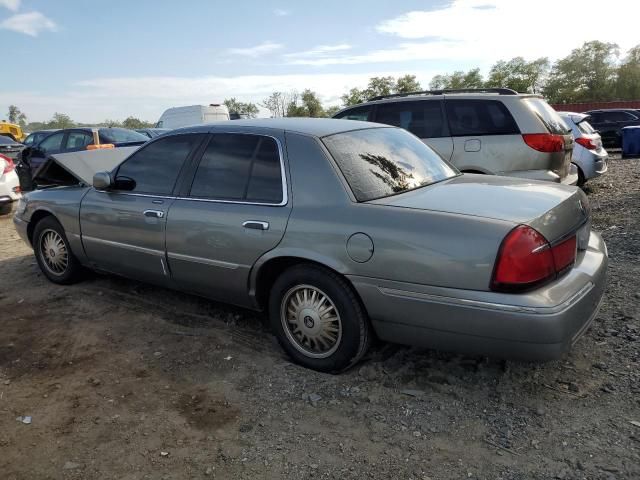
[54, 257]
[318, 319]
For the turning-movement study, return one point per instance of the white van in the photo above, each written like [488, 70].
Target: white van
[192, 115]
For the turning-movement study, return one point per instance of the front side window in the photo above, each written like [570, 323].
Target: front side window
[358, 113]
[379, 162]
[53, 143]
[479, 117]
[239, 167]
[154, 169]
[422, 118]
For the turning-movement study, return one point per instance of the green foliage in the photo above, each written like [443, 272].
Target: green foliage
[378, 86]
[249, 109]
[519, 75]
[588, 73]
[407, 84]
[332, 110]
[16, 116]
[278, 103]
[458, 79]
[60, 120]
[309, 105]
[628, 81]
[133, 123]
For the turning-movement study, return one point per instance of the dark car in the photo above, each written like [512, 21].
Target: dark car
[76, 139]
[38, 136]
[610, 123]
[152, 132]
[10, 147]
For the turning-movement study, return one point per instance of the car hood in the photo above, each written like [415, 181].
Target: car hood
[553, 209]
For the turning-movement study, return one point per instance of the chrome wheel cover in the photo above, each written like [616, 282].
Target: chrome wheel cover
[311, 321]
[53, 252]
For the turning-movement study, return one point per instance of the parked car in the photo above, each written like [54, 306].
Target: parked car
[491, 131]
[339, 230]
[9, 184]
[152, 132]
[11, 130]
[610, 122]
[178, 117]
[10, 147]
[35, 137]
[77, 139]
[588, 153]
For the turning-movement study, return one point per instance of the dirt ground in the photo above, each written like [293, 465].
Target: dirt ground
[127, 381]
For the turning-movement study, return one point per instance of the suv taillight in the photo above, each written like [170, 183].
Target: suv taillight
[8, 165]
[544, 142]
[586, 143]
[526, 259]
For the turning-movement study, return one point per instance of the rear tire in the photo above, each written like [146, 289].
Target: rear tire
[318, 319]
[581, 179]
[53, 254]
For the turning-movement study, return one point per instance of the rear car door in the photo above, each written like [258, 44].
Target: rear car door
[482, 133]
[423, 118]
[77, 140]
[123, 229]
[234, 210]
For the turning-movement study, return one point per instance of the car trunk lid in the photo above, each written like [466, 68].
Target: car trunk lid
[554, 210]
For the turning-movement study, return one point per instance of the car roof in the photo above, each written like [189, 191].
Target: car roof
[319, 127]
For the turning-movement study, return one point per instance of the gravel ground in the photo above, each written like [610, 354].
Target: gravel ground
[123, 380]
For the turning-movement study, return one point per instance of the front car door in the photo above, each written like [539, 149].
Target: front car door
[235, 209]
[48, 146]
[123, 229]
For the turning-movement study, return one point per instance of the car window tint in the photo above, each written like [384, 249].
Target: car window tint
[239, 167]
[585, 127]
[357, 113]
[78, 140]
[121, 135]
[618, 117]
[547, 115]
[423, 119]
[379, 162]
[52, 143]
[155, 168]
[479, 117]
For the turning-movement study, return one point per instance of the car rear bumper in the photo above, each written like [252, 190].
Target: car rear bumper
[538, 325]
[545, 175]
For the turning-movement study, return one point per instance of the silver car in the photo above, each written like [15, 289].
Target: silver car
[588, 153]
[491, 131]
[339, 230]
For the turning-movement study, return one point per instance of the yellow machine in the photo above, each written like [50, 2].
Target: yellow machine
[12, 130]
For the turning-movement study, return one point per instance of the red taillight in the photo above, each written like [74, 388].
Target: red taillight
[526, 259]
[544, 142]
[586, 143]
[9, 165]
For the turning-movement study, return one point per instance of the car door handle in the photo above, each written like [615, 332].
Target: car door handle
[154, 213]
[256, 225]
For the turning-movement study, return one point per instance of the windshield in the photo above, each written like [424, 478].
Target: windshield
[547, 115]
[122, 135]
[6, 140]
[379, 162]
[585, 127]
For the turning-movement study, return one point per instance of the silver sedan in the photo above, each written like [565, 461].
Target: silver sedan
[339, 230]
[588, 153]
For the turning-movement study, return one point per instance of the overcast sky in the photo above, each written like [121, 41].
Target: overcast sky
[110, 59]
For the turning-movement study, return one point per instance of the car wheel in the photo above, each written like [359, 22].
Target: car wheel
[581, 179]
[318, 319]
[55, 258]
[5, 209]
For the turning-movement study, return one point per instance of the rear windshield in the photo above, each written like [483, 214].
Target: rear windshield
[585, 127]
[380, 162]
[122, 135]
[547, 115]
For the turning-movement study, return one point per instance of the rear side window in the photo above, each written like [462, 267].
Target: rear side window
[78, 140]
[547, 115]
[479, 117]
[238, 167]
[424, 119]
[618, 117]
[358, 113]
[155, 168]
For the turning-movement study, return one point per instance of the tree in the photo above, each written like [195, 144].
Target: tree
[588, 73]
[332, 110]
[407, 84]
[133, 123]
[519, 75]
[249, 109]
[278, 102]
[458, 79]
[309, 105]
[16, 116]
[60, 120]
[353, 97]
[110, 123]
[628, 81]
[380, 86]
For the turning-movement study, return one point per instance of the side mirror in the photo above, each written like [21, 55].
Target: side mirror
[102, 181]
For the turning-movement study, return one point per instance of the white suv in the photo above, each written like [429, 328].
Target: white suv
[9, 184]
[492, 131]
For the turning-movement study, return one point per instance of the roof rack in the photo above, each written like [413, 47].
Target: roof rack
[500, 91]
